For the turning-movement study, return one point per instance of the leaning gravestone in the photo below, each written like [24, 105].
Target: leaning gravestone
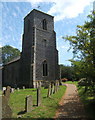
[29, 104]
[38, 96]
[6, 110]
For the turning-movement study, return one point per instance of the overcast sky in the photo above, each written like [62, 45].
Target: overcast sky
[67, 15]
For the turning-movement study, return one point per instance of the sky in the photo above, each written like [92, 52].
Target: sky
[67, 15]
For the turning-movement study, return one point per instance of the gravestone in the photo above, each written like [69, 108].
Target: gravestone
[23, 87]
[38, 96]
[56, 86]
[6, 110]
[7, 92]
[52, 88]
[49, 91]
[12, 90]
[4, 88]
[29, 104]
[17, 89]
[39, 83]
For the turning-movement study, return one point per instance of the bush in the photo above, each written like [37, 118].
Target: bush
[82, 82]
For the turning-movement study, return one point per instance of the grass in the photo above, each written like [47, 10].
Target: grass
[70, 82]
[88, 101]
[0, 92]
[46, 110]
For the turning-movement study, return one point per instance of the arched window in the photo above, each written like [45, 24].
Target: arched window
[44, 24]
[45, 68]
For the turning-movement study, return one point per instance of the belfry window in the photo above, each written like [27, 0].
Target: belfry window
[44, 24]
[45, 68]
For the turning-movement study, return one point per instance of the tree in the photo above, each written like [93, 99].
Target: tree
[66, 72]
[9, 53]
[83, 45]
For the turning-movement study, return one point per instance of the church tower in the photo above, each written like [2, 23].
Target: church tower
[39, 58]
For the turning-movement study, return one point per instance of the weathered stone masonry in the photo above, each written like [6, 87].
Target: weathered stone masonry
[39, 57]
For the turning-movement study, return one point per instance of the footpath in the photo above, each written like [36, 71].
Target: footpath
[70, 105]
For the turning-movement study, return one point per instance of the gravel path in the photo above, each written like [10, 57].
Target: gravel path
[70, 105]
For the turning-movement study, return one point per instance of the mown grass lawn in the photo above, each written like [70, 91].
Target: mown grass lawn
[70, 82]
[46, 110]
[0, 92]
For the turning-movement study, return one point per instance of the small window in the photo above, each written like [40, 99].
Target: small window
[45, 68]
[44, 24]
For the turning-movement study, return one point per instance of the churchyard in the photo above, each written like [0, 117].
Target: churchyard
[40, 102]
[34, 103]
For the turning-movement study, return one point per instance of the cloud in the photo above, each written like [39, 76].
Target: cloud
[68, 8]
[61, 8]
[0, 46]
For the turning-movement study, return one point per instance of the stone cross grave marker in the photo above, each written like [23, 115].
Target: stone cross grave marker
[28, 103]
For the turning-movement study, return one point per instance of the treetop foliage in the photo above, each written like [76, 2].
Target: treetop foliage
[9, 53]
[83, 45]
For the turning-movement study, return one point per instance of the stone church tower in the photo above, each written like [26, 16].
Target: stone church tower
[39, 58]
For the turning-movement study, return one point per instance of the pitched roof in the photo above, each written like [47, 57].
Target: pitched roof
[12, 61]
